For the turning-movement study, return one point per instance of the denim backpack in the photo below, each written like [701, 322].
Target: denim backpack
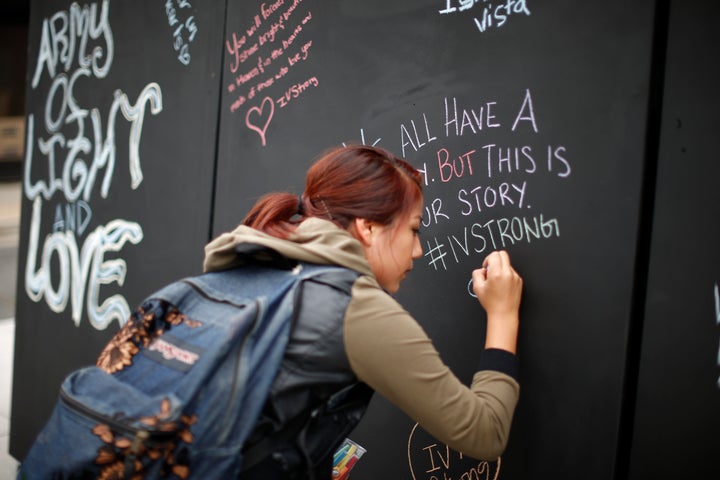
[179, 388]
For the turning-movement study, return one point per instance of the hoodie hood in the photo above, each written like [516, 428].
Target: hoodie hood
[314, 241]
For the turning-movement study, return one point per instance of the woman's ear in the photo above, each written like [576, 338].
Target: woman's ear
[363, 229]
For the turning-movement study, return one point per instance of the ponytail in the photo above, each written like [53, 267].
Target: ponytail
[275, 213]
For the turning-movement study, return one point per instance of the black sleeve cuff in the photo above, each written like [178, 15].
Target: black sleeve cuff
[501, 361]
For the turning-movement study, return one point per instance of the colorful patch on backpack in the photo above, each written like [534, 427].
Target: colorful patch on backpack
[173, 352]
[148, 322]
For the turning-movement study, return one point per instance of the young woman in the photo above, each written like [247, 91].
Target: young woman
[361, 209]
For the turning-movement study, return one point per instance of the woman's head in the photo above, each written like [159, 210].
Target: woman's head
[368, 191]
[361, 182]
[378, 198]
[344, 183]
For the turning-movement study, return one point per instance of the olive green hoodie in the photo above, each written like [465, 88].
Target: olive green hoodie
[389, 350]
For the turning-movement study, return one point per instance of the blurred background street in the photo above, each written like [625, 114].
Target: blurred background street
[10, 191]
[14, 19]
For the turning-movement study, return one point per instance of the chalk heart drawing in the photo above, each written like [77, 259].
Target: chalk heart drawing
[429, 459]
[261, 115]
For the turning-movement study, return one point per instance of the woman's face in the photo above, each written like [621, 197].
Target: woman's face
[392, 248]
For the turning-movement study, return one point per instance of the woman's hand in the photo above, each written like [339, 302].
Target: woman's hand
[499, 288]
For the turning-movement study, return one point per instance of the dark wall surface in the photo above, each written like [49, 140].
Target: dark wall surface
[677, 414]
[530, 135]
[532, 123]
[117, 192]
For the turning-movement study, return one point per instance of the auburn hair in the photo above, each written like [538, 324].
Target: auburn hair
[344, 183]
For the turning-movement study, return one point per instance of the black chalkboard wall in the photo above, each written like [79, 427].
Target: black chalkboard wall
[677, 410]
[117, 194]
[537, 128]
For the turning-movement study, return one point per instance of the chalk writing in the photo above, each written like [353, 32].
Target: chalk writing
[183, 30]
[77, 152]
[294, 91]
[74, 217]
[363, 141]
[468, 119]
[717, 322]
[68, 35]
[414, 140]
[484, 237]
[465, 121]
[488, 196]
[486, 185]
[494, 13]
[261, 57]
[430, 460]
[78, 268]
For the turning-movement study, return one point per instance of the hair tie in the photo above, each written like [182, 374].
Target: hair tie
[300, 206]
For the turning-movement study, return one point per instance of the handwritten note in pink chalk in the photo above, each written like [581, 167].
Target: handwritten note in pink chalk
[261, 59]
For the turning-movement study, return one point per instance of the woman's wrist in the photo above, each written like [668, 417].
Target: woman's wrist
[502, 332]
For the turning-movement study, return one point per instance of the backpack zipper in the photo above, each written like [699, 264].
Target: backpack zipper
[149, 436]
[236, 369]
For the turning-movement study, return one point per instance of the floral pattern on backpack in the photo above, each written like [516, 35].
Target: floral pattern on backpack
[151, 320]
[122, 457]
